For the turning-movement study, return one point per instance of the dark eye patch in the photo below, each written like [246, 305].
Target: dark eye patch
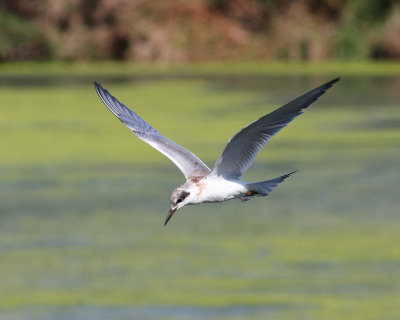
[182, 196]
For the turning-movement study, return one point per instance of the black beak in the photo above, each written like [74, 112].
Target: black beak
[169, 216]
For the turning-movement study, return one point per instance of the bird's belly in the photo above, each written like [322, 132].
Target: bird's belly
[219, 190]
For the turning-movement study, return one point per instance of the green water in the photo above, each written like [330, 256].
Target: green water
[83, 201]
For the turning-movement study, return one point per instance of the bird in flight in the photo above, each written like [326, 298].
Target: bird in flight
[222, 182]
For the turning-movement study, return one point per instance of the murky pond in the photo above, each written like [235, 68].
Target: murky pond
[82, 201]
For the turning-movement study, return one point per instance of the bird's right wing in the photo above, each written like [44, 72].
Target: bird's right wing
[185, 160]
[243, 147]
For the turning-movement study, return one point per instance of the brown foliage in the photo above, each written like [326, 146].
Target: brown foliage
[181, 30]
[387, 43]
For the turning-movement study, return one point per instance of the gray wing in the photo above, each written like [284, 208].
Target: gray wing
[243, 147]
[185, 160]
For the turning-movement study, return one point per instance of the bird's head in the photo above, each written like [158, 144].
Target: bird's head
[180, 197]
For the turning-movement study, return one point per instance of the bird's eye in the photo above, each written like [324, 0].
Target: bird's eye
[182, 196]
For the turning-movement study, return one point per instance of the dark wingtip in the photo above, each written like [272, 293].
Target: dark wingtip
[329, 84]
[332, 82]
[97, 87]
[288, 174]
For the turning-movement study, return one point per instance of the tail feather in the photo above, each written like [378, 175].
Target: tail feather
[263, 188]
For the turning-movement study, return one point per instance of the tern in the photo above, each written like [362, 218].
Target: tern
[223, 182]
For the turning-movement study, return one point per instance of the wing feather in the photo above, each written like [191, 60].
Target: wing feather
[243, 147]
[185, 160]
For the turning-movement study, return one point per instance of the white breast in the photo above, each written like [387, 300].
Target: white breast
[215, 189]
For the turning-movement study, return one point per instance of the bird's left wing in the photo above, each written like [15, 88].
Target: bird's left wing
[243, 147]
[185, 160]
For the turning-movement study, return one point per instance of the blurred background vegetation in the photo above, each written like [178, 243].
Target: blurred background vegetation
[82, 201]
[199, 30]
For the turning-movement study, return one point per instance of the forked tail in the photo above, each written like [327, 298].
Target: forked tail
[263, 188]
